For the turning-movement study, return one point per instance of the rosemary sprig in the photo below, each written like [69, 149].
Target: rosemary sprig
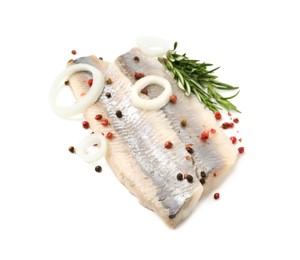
[195, 77]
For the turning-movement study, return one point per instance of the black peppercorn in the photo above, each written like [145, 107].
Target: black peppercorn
[71, 149]
[203, 174]
[108, 95]
[119, 114]
[98, 168]
[189, 178]
[189, 149]
[179, 176]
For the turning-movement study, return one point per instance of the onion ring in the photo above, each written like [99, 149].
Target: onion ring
[84, 103]
[155, 103]
[153, 46]
[82, 148]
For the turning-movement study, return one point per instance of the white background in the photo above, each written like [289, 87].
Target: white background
[54, 206]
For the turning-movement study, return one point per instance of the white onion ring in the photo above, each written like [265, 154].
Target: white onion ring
[87, 142]
[155, 103]
[153, 46]
[84, 103]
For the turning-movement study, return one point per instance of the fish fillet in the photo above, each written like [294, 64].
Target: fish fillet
[136, 154]
[216, 155]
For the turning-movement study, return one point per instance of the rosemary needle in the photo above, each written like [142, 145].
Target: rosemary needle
[192, 76]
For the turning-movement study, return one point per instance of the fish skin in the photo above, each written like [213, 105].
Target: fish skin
[215, 155]
[136, 154]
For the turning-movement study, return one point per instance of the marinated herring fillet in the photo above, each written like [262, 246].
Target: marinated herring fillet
[136, 154]
[215, 155]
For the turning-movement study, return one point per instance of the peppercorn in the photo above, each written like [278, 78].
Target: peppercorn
[74, 52]
[233, 139]
[225, 125]
[67, 82]
[189, 149]
[98, 168]
[85, 124]
[144, 91]
[231, 125]
[104, 122]
[173, 99]
[218, 115]
[204, 135]
[108, 95]
[90, 82]
[136, 59]
[202, 181]
[241, 149]
[119, 114]
[183, 122]
[100, 58]
[109, 135]
[138, 75]
[203, 174]
[236, 120]
[189, 178]
[168, 145]
[213, 131]
[179, 176]
[71, 149]
[216, 196]
[98, 117]
[108, 81]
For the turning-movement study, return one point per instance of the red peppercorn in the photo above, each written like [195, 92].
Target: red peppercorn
[98, 117]
[85, 124]
[216, 195]
[74, 52]
[233, 139]
[173, 99]
[168, 145]
[215, 174]
[90, 82]
[236, 120]
[241, 149]
[213, 131]
[109, 135]
[104, 122]
[231, 125]
[218, 115]
[138, 75]
[225, 125]
[204, 135]
[144, 91]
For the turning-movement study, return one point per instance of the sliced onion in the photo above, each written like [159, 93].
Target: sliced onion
[86, 143]
[153, 46]
[84, 103]
[155, 103]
